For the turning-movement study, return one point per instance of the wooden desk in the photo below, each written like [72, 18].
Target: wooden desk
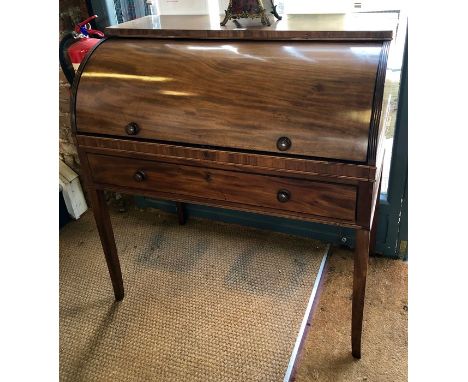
[282, 120]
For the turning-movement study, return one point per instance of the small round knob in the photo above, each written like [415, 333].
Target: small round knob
[283, 196]
[132, 128]
[283, 144]
[139, 176]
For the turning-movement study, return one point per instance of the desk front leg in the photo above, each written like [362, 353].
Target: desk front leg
[361, 260]
[103, 222]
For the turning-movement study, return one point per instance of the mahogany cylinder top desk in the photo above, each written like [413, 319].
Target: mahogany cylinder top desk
[281, 120]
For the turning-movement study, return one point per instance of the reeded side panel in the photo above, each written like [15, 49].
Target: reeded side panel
[241, 95]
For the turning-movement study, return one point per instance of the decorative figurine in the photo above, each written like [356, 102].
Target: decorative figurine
[242, 9]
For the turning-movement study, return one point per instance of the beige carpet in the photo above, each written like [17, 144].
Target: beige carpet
[204, 302]
[327, 351]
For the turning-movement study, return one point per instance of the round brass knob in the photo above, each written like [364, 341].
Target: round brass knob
[283, 196]
[132, 128]
[283, 144]
[139, 176]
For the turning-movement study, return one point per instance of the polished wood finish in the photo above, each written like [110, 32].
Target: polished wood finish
[315, 198]
[244, 161]
[376, 128]
[103, 223]
[229, 205]
[361, 260]
[363, 204]
[362, 27]
[367, 199]
[318, 96]
[284, 121]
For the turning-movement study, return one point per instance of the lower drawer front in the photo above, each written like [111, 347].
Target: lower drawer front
[315, 198]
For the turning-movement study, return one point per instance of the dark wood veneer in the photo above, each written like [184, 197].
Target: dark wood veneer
[216, 94]
[342, 172]
[375, 127]
[315, 198]
[361, 261]
[362, 27]
[101, 215]
[283, 121]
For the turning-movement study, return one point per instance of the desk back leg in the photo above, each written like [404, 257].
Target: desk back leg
[361, 259]
[181, 212]
[103, 222]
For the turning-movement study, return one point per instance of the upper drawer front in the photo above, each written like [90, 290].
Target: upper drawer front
[316, 198]
[242, 95]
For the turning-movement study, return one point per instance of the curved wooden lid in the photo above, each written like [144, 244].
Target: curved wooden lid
[312, 99]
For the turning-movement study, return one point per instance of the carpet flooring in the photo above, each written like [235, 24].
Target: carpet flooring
[327, 356]
[204, 302]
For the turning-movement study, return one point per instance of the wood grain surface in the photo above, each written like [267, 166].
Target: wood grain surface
[247, 162]
[106, 234]
[193, 112]
[316, 198]
[375, 131]
[242, 95]
[357, 26]
[361, 260]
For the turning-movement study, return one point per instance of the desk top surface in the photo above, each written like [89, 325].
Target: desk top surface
[353, 26]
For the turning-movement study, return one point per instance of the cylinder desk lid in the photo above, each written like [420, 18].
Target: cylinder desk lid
[303, 86]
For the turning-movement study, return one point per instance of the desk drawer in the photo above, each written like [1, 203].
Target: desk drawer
[295, 97]
[309, 197]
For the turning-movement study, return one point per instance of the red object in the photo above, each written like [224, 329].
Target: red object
[90, 31]
[75, 45]
[80, 48]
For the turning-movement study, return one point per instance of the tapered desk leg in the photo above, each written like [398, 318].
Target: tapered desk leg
[361, 259]
[103, 222]
[181, 212]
